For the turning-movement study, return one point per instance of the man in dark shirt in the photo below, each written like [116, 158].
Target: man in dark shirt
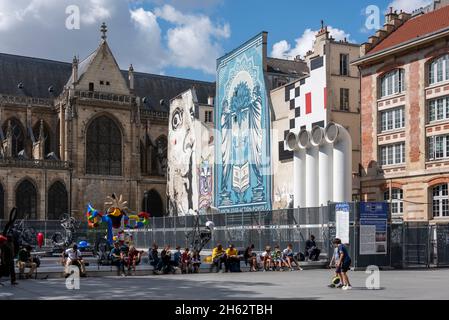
[25, 261]
[311, 249]
[118, 259]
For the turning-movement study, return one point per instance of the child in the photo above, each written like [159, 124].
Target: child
[343, 265]
[267, 259]
[277, 258]
[196, 262]
[336, 280]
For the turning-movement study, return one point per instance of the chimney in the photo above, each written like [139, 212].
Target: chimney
[391, 15]
[75, 70]
[131, 77]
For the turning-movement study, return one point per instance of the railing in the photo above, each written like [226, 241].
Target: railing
[26, 101]
[102, 96]
[35, 164]
[154, 114]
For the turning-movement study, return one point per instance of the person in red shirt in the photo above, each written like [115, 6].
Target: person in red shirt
[133, 258]
[186, 261]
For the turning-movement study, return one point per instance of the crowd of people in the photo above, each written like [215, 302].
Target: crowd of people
[187, 261]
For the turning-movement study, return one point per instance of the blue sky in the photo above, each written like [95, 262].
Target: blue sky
[286, 20]
[181, 38]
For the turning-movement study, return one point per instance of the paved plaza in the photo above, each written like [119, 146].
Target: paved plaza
[308, 284]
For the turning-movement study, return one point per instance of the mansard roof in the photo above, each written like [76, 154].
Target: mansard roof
[38, 75]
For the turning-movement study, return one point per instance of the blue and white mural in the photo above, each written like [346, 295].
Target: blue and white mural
[242, 121]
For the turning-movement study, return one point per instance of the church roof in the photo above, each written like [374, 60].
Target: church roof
[38, 75]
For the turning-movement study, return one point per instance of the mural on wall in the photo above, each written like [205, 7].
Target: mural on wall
[205, 185]
[243, 171]
[181, 180]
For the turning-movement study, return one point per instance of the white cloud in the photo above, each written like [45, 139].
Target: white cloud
[408, 5]
[37, 28]
[194, 41]
[304, 43]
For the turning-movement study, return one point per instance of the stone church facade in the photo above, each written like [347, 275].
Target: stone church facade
[71, 134]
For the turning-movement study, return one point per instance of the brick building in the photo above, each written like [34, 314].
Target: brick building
[405, 114]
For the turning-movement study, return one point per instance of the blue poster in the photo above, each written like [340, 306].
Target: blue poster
[373, 228]
[242, 118]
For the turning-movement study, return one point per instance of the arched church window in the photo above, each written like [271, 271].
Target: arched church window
[104, 148]
[26, 201]
[46, 137]
[152, 204]
[57, 201]
[18, 136]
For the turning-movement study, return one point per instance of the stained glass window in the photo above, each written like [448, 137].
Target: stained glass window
[104, 148]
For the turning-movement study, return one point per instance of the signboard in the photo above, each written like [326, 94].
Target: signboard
[342, 222]
[373, 228]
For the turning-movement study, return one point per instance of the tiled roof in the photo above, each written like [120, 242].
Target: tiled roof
[38, 75]
[415, 28]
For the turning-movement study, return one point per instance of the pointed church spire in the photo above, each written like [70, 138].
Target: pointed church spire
[104, 31]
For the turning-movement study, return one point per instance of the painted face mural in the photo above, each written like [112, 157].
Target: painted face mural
[181, 155]
[244, 176]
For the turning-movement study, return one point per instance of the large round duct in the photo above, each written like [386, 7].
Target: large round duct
[317, 136]
[324, 165]
[292, 141]
[342, 162]
[304, 139]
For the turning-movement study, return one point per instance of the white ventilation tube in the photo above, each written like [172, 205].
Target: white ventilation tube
[311, 169]
[299, 170]
[339, 137]
[325, 166]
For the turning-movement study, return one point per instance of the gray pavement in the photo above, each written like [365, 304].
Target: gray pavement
[309, 284]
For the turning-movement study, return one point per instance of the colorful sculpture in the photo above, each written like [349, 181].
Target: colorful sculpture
[114, 215]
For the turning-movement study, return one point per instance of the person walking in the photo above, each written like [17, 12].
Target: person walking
[343, 265]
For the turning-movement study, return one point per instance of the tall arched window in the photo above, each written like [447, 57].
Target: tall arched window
[392, 83]
[159, 157]
[47, 136]
[440, 201]
[104, 148]
[439, 70]
[397, 203]
[57, 201]
[2, 203]
[18, 136]
[152, 204]
[26, 201]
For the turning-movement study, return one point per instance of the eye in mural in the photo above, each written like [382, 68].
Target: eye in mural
[177, 119]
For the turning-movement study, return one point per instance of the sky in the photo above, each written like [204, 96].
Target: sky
[181, 38]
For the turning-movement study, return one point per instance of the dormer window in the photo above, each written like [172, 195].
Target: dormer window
[101, 82]
[91, 86]
[108, 83]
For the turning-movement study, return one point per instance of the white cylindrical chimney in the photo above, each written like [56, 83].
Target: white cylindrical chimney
[311, 169]
[324, 165]
[342, 162]
[299, 164]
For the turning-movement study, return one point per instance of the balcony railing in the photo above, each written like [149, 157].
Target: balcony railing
[103, 96]
[35, 164]
[154, 114]
[25, 101]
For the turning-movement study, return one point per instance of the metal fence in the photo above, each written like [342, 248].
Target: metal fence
[259, 228]
[410, 245]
